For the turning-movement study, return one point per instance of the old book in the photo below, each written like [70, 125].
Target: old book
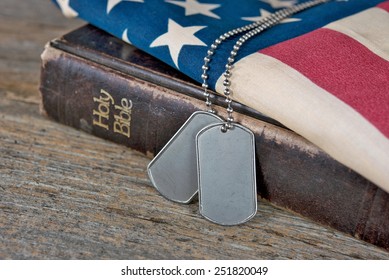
[94, 82]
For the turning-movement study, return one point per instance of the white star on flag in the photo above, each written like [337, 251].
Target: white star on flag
[192, 7]
[112, 3]
[176, 37]
[125, 36]
[66, 9]
[263, 14]
[276, 4]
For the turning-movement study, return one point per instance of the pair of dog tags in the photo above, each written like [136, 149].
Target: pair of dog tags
[219, 165]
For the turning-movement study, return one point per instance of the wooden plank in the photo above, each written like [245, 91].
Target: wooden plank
[65, 194]
[24, 30]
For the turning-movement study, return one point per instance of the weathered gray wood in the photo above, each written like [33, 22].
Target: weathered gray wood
[66, 194]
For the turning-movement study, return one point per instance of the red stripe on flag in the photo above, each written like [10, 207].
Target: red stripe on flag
[343, 67]
[384, 6]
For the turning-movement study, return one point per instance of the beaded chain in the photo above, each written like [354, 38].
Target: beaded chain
[251, 30]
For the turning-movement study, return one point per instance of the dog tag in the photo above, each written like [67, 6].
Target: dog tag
[226, 174]
[173, 171]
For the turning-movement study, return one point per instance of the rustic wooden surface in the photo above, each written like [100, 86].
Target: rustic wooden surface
[65, 194]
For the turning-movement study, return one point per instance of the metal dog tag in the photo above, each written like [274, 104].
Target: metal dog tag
[173, 171]
[226, 174]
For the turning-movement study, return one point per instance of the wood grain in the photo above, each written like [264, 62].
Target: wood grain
[65, 194]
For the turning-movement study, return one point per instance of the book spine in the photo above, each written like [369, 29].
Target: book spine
[291, 172]
[110, 105]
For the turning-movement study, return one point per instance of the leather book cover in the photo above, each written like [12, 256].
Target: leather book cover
[92, 81]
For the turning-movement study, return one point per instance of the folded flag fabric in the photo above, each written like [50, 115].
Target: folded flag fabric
[324, 72]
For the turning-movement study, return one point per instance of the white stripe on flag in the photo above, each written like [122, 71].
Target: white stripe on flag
[281, 92]
[370, 28]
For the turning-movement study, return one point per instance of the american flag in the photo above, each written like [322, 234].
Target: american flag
[323, 73]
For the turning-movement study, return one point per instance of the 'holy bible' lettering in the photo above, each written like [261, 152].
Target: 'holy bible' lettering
[104, 105]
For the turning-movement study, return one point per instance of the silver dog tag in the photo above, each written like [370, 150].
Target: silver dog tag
[226, 174]
[173, 171]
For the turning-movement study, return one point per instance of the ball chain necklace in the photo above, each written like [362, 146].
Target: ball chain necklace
[212, 156]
